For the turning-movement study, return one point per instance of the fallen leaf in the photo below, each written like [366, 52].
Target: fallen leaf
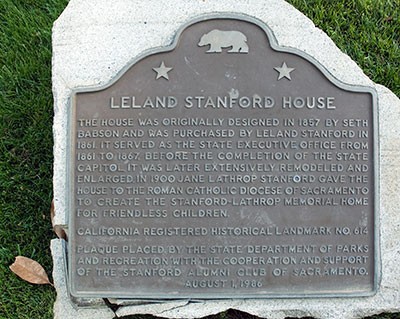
[30, 270]
[56, 228]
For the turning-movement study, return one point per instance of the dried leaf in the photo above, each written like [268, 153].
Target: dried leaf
[30, 271]
[59, 231]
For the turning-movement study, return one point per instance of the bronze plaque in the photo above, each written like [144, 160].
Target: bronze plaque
[223, 166]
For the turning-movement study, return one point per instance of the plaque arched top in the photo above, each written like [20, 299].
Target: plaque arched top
[229, 40]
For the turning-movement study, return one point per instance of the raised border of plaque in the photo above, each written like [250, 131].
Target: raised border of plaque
[274, 45]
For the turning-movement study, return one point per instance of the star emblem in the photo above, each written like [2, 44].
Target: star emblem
[284, 71]
[162, 71]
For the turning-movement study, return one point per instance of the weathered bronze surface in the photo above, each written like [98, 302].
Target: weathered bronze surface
[222, 167]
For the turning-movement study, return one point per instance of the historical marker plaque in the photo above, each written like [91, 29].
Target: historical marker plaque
[223, 166]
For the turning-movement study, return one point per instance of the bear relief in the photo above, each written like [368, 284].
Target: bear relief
[217, 40]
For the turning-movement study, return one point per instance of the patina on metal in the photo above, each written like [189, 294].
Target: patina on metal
[223, 166]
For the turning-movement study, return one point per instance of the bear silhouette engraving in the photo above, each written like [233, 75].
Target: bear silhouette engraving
[218, 40]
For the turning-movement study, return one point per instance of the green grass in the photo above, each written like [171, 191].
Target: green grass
[367, 30]
[25, 150]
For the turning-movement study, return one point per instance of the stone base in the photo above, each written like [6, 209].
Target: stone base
[64, 308]
[94, 39]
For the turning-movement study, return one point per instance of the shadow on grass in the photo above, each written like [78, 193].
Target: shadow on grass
[236, 314]
[229, 314]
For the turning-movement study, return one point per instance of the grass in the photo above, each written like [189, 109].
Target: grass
[25, 150]
[367, 30]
